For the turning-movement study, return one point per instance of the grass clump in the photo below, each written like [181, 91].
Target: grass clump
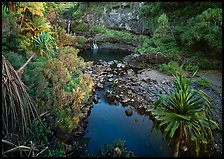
[204, 82]
[170, 68]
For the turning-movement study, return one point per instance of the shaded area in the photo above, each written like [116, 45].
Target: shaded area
[103, 54]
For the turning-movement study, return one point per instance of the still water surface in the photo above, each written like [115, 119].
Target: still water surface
[108, 122]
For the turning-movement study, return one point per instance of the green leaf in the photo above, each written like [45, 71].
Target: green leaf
[173, 130]
[185, 117]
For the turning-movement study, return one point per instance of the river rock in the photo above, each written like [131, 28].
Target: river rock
[120, 65]
[85, 110]
[117, 150]
[110, 62]
[110, 79]
[95, 100]
[125, 101]
[130, 72]
[100, 86]
[68, 148]
[80, 132]
[129, 112]
[61, 134]
[110, 75]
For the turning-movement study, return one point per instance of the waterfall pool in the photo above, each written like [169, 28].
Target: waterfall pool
[103, 54]
[108, 122]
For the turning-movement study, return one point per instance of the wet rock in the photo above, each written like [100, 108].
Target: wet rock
[100, 86]
[125, 101]
[110, 75]
[68, 148]
[110, 79]
[116, 102]
[117, 150]
[129, 112]
[120, 65]
[95, 100]
[61, 134]
[85, 110]
[80, 132]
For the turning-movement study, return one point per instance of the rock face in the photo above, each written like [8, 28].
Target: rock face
[135, 60]
[121, 17]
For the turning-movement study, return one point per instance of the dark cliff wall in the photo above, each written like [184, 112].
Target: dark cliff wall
[124, 17]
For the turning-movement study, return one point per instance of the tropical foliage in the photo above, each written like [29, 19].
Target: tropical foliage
[117, 149]
[204, 82]
[37, 25]
[171, 68]
[183, 115]
[18, 109]
[205, 28]
[52, 76]
[44, 44]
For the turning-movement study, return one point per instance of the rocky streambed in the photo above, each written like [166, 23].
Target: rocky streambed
[131, 85]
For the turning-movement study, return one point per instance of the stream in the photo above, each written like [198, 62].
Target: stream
[108, 122]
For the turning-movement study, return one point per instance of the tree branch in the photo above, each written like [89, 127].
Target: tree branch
[20, 70]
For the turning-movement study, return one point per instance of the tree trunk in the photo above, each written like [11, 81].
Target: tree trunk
[176, 149]
[20, 70]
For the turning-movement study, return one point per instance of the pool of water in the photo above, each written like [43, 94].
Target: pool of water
[108, 122]
[103, 54]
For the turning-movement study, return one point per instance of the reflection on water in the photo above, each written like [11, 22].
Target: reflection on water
[103, 54]
[108, 123]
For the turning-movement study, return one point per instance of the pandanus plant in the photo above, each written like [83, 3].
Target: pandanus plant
[18, 109]
[183, 115]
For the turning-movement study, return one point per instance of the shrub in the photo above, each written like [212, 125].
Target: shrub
[170, 68]
[70, 87]
[82, 40]
[98, 29]
[78, 14]
[117, 149]
[205, 27]
[183, 115]
[63, 39]
[163, 40]
[44, 44]
[81, 27]
[204, 82]
[190, 66]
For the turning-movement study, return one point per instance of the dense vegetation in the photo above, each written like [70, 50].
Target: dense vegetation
[53, 76]
[192, 31]
[183, 115]
[42, 74]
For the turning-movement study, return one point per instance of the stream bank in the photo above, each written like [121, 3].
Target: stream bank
[130, 85]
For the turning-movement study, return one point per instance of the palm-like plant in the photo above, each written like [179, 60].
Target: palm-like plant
[44, 43]
[35, 8]
[183, 115]
[37, 25]
[17, 107]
